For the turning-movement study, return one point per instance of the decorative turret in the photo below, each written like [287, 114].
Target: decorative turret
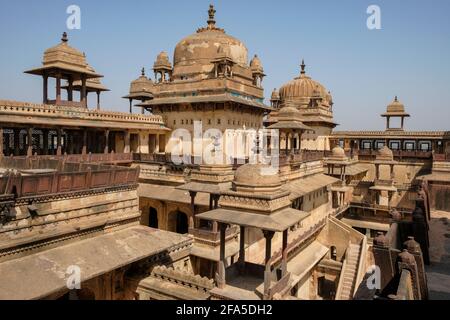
[223, 63]
[395, 110]
[64, 62]
[140, 89]
[162, 68]
[257, 71]
[275, 99]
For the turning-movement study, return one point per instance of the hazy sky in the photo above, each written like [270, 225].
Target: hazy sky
[364, 69]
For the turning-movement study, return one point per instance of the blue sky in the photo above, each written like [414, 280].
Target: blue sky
[364, 69]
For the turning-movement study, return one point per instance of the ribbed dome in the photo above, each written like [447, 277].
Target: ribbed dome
[201, 48]
[303, 87]
[194, 54]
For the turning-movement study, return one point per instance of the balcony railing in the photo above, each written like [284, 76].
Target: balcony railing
[42, 177]
[418, 154]
[441, 157]
[211, 237]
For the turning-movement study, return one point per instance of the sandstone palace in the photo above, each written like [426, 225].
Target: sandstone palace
[179, 198]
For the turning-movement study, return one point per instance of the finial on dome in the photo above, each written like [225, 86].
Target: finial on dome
[303, 66]
[211, 20]
[64, 37]
[143, 71]
[396, 99]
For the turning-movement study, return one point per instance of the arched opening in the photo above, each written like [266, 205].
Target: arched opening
[182, 224]
[178, 222]
[153, 218]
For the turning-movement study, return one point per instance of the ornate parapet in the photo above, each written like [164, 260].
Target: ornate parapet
[47, 114]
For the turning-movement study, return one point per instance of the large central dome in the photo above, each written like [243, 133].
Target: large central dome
[195, 53]
[202, 47]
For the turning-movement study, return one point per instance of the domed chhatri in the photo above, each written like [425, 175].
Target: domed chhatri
[162, 61]
[338, 153]
[395, 109]
[314, 102]
[256, 65]
[303, 88]
[256, 178]
[141, 84]
[64, 62]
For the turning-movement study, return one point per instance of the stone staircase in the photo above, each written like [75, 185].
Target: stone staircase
[350, 273]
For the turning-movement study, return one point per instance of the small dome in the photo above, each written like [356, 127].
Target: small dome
[385, 154]
[255, 65]
[141, 84]
[395, 107]
[162, 61]
[252, 177]
[338, 152]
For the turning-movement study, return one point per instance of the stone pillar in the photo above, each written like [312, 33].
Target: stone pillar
[241, 260]
[220, 276]
[84, 149]
[98, 100]
[131, 105]
[157, 144]
[211, 201]
[127, 142]
[58, 89]
[287, 142]
[58, 142]
[70, 89]
[16, 141]
[284, 252]
[83, 93]
[193, 194]
[106, 150]
[1, 142]
[268, 235]
[45, 139]
[45, 89]
[377, 171]
[29, 142]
